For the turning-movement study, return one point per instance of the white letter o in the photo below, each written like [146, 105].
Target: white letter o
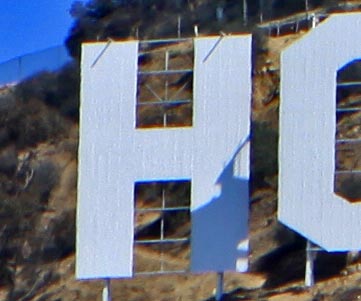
[307, 202]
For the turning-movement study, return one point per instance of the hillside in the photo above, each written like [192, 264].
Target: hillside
[38, 173]
[117, 19]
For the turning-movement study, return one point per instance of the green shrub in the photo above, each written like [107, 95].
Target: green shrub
[30, 123]
[264, 154]
[8, 161]
[56, 89]
[45, 178]
[350, 188]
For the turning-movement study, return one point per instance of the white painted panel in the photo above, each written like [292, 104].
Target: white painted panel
[205, 153]
[307, 202]
[214, 154]
[105, 211]
[222, 93]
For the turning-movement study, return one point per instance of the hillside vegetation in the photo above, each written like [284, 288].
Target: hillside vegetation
[103, 19]
[38, 166]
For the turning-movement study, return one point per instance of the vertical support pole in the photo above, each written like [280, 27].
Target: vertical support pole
[137, 33]
[245, 12]
[179, 26]
[314, 20]
[310, 257]
[196, 30]
[107, 291]
[219, 13]
[162, 230]
[261, 11]
[220, 284]
[307, 16]
[166, 87]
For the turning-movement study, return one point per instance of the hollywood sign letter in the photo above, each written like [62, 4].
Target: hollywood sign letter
[307, 202]
[213, 154]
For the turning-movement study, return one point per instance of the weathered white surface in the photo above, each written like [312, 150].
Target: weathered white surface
[214, 154]
[307, 202]
[220, 174]
[105, 211]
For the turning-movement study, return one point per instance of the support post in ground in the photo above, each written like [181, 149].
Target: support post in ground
[220, 284]
[310, 258]
[107, 292]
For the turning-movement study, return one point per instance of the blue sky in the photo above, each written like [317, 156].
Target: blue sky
[30, 25]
